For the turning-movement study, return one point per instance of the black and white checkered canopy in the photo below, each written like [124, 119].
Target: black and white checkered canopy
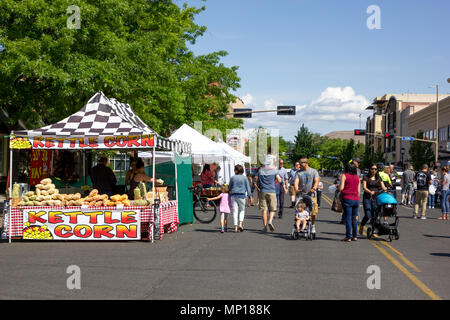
[101, 117]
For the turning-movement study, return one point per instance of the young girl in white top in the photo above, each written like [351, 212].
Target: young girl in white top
[301, 216]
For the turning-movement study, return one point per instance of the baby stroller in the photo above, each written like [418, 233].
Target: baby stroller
[386, 220]
[307, 234]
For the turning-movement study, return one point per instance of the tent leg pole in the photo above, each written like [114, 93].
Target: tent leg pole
[10, 192]
[153, 192]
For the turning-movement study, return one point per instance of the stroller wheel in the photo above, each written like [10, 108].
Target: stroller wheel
[397, 235]
[369, 233]
[390, 238]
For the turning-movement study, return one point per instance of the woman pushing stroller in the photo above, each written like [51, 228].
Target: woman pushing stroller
[372, 185]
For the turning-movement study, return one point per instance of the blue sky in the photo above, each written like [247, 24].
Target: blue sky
[320, 53]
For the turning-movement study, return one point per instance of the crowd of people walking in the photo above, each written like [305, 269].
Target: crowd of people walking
[272, 182]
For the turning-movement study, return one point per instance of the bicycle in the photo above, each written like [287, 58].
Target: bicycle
[203, 211]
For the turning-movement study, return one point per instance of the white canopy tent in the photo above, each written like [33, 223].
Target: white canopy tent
[204, 150]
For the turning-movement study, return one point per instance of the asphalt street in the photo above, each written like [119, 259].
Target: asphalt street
[198, 262]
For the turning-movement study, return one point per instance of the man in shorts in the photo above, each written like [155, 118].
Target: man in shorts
[408, 185]
[266, 177]
[307, 182]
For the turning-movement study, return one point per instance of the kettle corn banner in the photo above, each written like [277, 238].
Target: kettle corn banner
[110, 142]
[51, 224]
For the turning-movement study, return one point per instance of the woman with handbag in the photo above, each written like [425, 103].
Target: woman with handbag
[350, 194]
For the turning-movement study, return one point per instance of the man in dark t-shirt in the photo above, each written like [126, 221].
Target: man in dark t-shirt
[103, 178]
[423, 180]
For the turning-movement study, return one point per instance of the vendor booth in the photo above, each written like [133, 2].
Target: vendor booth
[47, 213]
[204, 150]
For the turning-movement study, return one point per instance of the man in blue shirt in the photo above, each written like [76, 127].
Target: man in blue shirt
[266, 177]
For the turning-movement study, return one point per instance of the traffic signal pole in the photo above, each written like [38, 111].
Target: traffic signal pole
[400, 137]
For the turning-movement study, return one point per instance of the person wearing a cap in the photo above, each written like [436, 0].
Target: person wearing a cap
[357, 162]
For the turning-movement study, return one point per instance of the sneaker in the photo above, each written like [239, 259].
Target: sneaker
[313, 229]
[264, 230]
[423, 218]
[271, 227]
[432, 207]
[222, 230]
[414, 217]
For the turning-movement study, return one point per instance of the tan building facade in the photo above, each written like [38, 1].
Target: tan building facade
[425, 121]
[389, 117]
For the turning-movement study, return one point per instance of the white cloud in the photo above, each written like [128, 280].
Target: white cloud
[335, 109]
[248, 99]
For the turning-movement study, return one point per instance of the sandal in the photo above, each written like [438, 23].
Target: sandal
[347, 240]
[354, 239]
[442, 217]
[241, 229]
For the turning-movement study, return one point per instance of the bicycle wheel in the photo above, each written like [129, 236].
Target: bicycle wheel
[203, 213]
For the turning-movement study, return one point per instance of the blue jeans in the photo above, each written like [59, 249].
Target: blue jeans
[370, 209]
[431, 198]
[350, 208]
[445, 203]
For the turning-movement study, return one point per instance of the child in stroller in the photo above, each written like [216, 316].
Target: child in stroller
[303, 207]
[386, 220]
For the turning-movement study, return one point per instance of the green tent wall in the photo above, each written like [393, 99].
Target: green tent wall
[166, 172]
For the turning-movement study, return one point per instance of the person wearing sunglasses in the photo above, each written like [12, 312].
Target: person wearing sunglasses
[372, 184]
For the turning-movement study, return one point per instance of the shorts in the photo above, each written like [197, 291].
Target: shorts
[268, 200]
[409, 187]
[292, 191]
[315, 207]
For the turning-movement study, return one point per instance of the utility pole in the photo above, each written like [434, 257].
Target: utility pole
[436, 150]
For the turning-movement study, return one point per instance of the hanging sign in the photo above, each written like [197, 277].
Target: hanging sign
[39, 166]
[54, 224]
[110, 142]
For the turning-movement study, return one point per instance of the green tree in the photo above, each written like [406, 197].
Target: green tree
[421, 152]
[135, 51]
[303, 145]
[348, 151]
[378, 156]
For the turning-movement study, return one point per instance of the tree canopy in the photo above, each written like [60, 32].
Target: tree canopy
[135, 51]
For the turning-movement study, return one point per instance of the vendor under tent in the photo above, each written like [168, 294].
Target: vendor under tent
[204, 150]
[102, 124]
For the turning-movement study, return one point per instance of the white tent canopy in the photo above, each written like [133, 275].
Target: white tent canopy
[203, 149]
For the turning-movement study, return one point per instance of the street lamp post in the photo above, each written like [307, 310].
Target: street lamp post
[436, 150]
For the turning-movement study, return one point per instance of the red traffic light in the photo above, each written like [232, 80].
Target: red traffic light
[388, 136]
[359, 132]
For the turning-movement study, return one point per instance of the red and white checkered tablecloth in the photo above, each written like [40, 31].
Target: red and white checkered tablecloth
[168, 221]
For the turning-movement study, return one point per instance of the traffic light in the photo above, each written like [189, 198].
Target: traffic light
[359, 132]
[389, 136]
[285, 110]
[242, 113]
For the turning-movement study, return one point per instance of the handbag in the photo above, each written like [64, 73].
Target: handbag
[432, 190]
[337, 204]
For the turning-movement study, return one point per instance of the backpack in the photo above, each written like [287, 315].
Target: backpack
[421, 180]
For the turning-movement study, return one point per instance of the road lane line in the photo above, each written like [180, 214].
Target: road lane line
[401, 256]
[399, 266]
[408, 274]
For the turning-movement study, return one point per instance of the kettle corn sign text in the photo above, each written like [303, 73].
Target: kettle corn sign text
[47, 224]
